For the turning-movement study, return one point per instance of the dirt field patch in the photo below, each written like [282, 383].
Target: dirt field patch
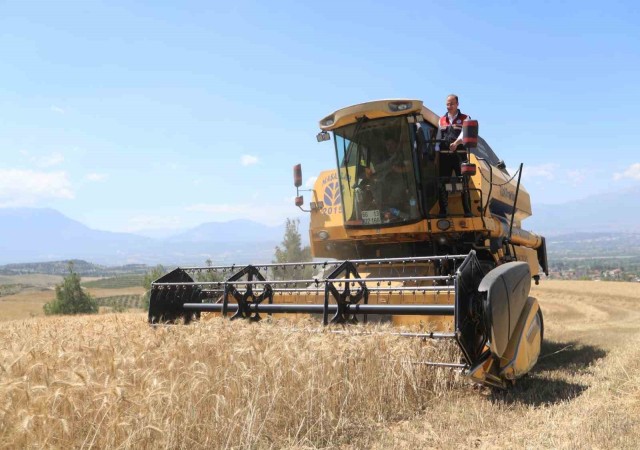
[583, 393]
[30, 300]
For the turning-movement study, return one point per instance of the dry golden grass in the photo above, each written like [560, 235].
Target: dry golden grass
[583, 393]
[11, 310]
[36, 279]
[110, 381]
[30, 301]
[24, 304]
[34, 290]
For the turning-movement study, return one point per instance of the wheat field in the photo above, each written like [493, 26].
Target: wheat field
[111, 381]
[28, 302]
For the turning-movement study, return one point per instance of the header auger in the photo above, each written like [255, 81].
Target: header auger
[413, 245]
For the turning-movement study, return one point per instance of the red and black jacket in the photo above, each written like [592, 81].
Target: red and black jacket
[450, 131]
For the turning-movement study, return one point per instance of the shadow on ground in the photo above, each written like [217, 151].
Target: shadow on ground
[567, 356]
[542, 386]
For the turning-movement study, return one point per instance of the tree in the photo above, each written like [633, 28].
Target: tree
[149, 278]
[209, 275]
[291, 250]
[70, 298]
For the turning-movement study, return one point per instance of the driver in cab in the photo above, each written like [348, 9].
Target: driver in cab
[388, 169]
[390, 160]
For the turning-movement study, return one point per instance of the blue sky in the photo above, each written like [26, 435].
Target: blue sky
[143, 116]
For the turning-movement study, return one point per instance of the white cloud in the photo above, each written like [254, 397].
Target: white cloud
[545, 171]
[44, 161]
[27, 187]
[248, 160]
[310, 182]
[56, 109]
[577, 176]
[633, 172]
[96, 177]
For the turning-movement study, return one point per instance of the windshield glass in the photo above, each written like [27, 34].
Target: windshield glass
[376, 170]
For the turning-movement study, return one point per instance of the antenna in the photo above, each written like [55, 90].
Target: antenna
[515, 202]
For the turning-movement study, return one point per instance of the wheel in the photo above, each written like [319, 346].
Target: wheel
[541, 325]
[487, 266]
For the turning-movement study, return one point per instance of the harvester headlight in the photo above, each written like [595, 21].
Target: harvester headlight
[327, 121]
[443, 224]
[323, 235]
[400, 106]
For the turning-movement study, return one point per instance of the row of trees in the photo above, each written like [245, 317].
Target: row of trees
[72, 299]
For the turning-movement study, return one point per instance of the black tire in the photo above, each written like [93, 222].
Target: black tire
[541, 325]
[487, 266]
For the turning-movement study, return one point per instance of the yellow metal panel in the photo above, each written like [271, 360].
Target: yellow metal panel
[430, 116]
[530, 257]
[524, 347]
[373, 110]
[504, 187]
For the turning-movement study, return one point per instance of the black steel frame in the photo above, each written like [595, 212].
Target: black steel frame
[176, 296]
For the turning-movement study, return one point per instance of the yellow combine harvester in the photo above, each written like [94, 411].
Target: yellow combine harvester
[409, 243]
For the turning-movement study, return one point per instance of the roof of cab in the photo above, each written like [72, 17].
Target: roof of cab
[377, 109]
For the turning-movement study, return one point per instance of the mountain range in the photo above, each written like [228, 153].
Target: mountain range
[34, 234]
[614, 212]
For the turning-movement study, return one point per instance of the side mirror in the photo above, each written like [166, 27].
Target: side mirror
[299, 201]
[297, 175]
[470, 131]
[323, 136]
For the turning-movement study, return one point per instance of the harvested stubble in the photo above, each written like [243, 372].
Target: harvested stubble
[112, 381]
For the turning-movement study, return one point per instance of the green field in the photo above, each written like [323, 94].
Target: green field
[121, 301]
[121, 281]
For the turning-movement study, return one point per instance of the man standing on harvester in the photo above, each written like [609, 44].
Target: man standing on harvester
[450, 130]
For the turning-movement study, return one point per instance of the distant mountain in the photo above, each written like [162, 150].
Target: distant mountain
[594, 245]
[81, 267]
[616, 212]
[32, 234]
[232, 231]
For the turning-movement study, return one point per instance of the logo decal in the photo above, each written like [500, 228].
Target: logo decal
[332, 194]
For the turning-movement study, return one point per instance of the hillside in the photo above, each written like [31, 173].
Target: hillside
[231, 231]
[614, 212]
[81, 267]
[594, 245]
[29, 235]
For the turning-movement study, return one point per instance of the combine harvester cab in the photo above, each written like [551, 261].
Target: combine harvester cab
[463, 274]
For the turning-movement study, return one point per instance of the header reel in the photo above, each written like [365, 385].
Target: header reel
[497, 327]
